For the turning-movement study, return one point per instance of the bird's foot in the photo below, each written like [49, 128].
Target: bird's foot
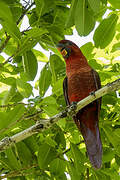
[93, 93]
[72, 108]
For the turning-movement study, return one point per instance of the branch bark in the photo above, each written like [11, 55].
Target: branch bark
[44, 124]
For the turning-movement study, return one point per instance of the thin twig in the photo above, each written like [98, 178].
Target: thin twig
[8, 60]
[45, 124]
[24, 13]
[87, 174]
[19, 172]
[15, 104]
[4, 43]
[67, 150]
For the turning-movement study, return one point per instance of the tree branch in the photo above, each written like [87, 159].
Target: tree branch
[4, 43]
[15, 104]
[44, 124]
[25, 11]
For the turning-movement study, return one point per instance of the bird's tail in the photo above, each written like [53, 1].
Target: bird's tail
[93, 143]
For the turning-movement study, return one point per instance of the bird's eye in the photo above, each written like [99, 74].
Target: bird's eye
[64, 52]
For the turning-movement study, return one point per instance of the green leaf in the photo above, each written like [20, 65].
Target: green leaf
[110, 174]
[108, 155]
[105, 31]
[44, 6]
[24, 154]
[118, 29]
[9, 81]
[30, 65]
[1, 59]
[70, 21]
[32, 144]
[57, 67]
[16, 12]
[24, 88]
[11, 47]
[73, 172]
[30, 39]
[40, 56]
[57, 167]
[60, 138]
[50, 141]
[116, 47]
[93, 63]
[113, 139]
[87, 50]
[11, 116]
[109, 99]
[76, 154]
[95, 5]
[6, 19]
[84, 19]
[58, 87]
[49, 105]
[39, 7]
[9, 95]
[36, 32]
[45, 155]
[13, 162]
[45, 80]
[115, 3]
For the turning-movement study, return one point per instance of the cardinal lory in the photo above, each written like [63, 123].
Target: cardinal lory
[80, 81]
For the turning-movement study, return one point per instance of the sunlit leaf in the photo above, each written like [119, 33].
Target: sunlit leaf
[11, 116]
[45, 155]
[30, 65]
[12, 159]
[84, 19]
[95, 5]
[24, 154]
[57, 67]
[57, 166]
[105, 32]
[40, 56]
[24, 88]
[7, 21]
[71, 18]
[115, 3]
[45, 79]
[87, 50]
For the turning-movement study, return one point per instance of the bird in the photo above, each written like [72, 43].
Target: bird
[81, 80]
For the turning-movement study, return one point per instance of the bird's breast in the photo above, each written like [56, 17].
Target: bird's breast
[80, 84]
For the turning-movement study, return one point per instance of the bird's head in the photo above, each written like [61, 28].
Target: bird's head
[67, 48]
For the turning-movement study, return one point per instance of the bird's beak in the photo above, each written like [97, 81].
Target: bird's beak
[60, 45]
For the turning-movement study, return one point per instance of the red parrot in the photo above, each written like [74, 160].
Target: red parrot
[79, 82]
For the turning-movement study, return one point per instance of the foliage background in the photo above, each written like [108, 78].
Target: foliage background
[58, 152]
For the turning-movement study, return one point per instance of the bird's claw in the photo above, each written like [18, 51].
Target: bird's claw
[72, 108]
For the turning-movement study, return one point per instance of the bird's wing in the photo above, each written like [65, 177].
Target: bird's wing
[96, 79]
[98, 86]
[65, 90]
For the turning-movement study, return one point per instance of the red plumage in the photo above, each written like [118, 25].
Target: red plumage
[81, 80]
